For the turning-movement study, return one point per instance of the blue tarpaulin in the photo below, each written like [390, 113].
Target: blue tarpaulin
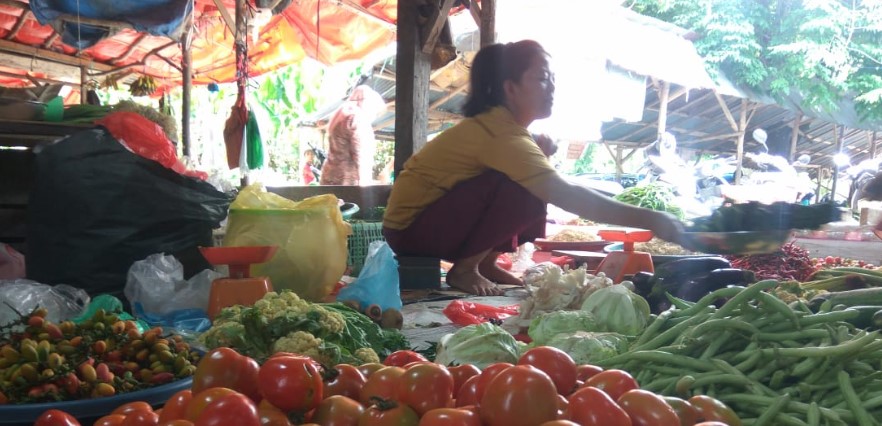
[156, 17]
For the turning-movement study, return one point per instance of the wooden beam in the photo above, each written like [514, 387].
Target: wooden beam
[228, 19]
[739, 147]
[794, 136]
[104, 23]
[131, 49]
[18, 24]
[15, 4]
[364, 13]
[36, 52]
[186, 85]
[475, 11]
[664, 92]
[488, 22]
[55, 70]
[725, 107]
[435, 24]
[412, 86]
[40, 79]
[50, 41]
[873, 146]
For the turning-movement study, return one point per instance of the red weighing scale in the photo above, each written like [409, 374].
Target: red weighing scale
[617, 264]
[240, 288]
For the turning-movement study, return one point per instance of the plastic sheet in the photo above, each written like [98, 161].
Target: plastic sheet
[464, 313]
[378, 281]
[22, 296]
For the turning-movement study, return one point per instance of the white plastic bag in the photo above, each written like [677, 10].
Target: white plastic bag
[62, 301]
[12, 263]
[157, 283]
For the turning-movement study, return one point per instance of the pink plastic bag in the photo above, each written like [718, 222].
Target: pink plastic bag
[12, 263]
[461, 312]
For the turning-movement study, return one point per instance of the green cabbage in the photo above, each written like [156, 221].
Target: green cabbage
[482, 344]
[588, 348]
[618, 310]
[547, 325]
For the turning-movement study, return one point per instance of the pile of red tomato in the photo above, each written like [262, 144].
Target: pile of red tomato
[545, 388]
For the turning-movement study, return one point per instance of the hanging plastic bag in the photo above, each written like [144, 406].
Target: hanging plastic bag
[159, 294]
[377, 282]
[461, 312]
[311, 236]
[20, 297]
[12, 263]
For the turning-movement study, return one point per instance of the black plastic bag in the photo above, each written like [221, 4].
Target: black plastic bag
[96, 208]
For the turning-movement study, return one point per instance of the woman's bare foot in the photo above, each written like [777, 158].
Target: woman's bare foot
[489, 269]
[469, 280]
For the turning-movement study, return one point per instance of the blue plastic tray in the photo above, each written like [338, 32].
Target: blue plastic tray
[91, 408]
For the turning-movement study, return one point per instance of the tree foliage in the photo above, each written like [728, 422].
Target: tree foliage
[823, 51]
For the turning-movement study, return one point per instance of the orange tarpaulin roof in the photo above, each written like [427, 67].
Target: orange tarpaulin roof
[327, 30]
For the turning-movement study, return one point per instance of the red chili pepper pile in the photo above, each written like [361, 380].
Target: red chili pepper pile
[791, 262]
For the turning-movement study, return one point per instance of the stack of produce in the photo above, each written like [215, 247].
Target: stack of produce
[45, 362]
[771, 363]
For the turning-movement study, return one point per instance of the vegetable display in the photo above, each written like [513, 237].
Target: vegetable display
[41, 361]
[654, 196]
[331, 333]
[782, 366]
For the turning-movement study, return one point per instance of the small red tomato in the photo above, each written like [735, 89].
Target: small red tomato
[556, 363]
[450, 417]
[685, 411]
[468, 392]
[613, 382]
[461, 373]
[234, 409]
[647, 409]
[425, 386]
[586, 371]
[56, 418]
[401, 358]
[589, 406]
[713, 409]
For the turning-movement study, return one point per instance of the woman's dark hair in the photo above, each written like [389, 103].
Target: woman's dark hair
[492, 66]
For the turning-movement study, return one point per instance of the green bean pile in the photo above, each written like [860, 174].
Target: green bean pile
[772, 364]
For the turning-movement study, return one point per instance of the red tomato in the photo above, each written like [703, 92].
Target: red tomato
[226, 368]
[685, 411]
[712, 409]
[131, 407]
[590, 406]
[401, 358]
[425, 386]
[141, 418]
[110, 420]
[234, 409]
[56, 418]
[271, 416]
[382, 384]
[613, 382]
[389, 413]
[468, 393]
[343, 379]
[461, 373]
[176, 422]
[487, 375]
[369, 368]
[711, 423]
[291, 383]
[202, 399]
[338, 410]
[519, 395]
[176, 406]
[562, 404]
[586, 371]
[647, 409]
[559, 423]
[450, 417]
[555, 363]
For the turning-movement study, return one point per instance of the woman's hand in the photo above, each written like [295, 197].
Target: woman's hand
[546, 144]
[668, 228]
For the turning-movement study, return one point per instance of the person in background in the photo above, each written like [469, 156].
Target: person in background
[351, 143]
[308, 169]
[480, 188]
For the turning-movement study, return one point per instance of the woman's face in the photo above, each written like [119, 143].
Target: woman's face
[532, 97]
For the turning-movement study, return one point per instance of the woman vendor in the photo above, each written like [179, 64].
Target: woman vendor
[480, 188]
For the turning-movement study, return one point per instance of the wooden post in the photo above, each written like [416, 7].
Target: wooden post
[739, 148]
[619, 169]
[664, 93]
[794, 138]
[837, 138]
[84, 85]
[488, 22]
[186, 88]
[412, 86]
[873, 145]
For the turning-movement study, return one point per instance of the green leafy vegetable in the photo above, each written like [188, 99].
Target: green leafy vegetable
[618, 310]
[550, 324]
[481, 344]
[587, 348]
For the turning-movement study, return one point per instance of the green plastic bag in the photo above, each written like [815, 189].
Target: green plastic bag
[109, 304]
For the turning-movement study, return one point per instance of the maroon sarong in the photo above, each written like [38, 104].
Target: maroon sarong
[489, 211]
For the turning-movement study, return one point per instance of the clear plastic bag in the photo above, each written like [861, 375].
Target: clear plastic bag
[377, 284]
[22, 296]
[156, 288]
